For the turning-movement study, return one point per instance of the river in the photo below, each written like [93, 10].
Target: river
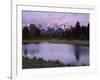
[65, 53]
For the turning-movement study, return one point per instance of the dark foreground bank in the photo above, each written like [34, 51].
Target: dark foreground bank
[40, 63]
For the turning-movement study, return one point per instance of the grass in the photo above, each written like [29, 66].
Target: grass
[39, 63]
[62, 41]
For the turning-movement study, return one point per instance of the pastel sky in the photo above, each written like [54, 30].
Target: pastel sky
[49, 18]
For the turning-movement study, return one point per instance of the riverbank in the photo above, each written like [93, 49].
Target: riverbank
[60, 41]
[41, 63]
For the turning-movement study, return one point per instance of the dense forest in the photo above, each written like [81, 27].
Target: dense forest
[76, 32]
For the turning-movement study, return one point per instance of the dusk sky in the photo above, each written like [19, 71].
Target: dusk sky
[50, 18]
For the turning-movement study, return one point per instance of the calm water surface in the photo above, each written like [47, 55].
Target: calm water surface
[65, 53]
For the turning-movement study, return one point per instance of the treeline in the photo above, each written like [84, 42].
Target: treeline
[77, 32]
